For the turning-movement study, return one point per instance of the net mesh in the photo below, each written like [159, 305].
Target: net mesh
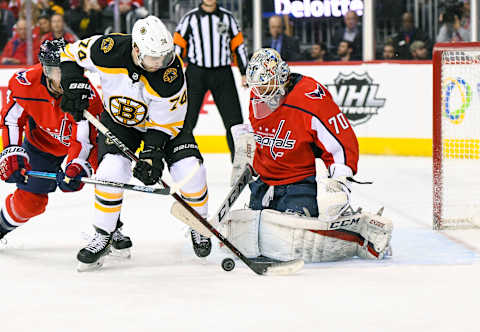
[460, 107]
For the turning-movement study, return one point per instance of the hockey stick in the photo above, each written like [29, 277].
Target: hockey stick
[127, 186]
[183, 214]
[261, 268]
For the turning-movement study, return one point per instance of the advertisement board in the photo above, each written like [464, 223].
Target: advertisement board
[388, 104]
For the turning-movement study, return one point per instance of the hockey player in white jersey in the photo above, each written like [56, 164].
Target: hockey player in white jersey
[145, 98]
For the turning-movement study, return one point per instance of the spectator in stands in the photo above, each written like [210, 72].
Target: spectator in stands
[388, 52]
[85, 19]
[15, 52]
[465, 20]
[58, 30]
[288, 47]
[406, 36]
[352, 32]
[317, 53]
[130, 11]
[43, 24]
[451, 29]
[418, 50]
[344, 51]
[7, 21]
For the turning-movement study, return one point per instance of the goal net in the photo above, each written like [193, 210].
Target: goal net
[456, 135]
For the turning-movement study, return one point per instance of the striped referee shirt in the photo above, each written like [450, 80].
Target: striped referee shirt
[210, 40]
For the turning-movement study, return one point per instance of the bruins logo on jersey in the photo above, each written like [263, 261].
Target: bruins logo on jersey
[107, 45]
[127, 111]
[170, 75]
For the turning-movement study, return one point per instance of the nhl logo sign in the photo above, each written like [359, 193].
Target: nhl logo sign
[356, 95]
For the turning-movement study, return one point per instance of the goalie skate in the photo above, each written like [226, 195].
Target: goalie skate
[93, 255]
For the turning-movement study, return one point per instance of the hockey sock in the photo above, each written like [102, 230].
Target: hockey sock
[20, 207]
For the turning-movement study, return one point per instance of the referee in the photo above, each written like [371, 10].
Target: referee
[208, 37]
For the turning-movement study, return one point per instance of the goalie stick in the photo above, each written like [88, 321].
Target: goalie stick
[127, 186]
[260, 268]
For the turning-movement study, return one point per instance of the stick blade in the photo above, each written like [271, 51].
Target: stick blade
[284, 268]
[269, 268]
[181, 213]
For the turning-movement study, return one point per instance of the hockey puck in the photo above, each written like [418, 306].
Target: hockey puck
[228, 264]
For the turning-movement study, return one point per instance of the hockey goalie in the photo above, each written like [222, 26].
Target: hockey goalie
[294, 120]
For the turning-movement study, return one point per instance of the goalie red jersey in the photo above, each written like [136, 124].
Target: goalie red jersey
[307, 124]
[32, 110]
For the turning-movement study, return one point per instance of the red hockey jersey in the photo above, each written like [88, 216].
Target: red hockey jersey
[308, 119]
[30, 108]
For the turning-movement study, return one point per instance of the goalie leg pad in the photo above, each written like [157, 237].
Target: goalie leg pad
[242, 229]
[377, 231]
[288, 236]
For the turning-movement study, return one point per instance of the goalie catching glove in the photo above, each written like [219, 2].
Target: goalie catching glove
[14, 161]
[70, 180]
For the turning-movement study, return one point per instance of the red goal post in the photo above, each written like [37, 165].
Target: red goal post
[456, 135]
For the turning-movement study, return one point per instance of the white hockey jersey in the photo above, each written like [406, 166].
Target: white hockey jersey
[133, 97]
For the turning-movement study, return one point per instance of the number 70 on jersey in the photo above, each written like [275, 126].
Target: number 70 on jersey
[338, 119]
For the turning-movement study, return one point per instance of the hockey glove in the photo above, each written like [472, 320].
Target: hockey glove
[70, 180]
[149, 168]
[13, 163]
[244, 150]
[76, 92]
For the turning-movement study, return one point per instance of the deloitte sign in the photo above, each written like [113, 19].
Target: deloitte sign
[314, 8]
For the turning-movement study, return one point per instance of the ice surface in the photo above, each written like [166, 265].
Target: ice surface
[430, 283]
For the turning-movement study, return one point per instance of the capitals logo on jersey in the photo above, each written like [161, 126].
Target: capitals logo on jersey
[21, 77]
[63, 134]
[273, 140]
[318, 93]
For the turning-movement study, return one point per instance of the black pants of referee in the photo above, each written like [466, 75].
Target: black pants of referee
[221, 83]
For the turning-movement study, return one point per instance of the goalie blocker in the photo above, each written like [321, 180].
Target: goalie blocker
[284, 236]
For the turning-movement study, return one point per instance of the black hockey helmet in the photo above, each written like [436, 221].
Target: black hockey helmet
[50, 50]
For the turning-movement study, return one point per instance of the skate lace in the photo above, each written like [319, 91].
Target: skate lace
[97, 243]
[117, 235]
[199, 238]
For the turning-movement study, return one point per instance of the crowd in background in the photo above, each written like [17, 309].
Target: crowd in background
[78, 19]
[70, 19]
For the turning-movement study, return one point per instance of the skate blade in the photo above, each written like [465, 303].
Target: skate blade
[84, 267]
[120, 253]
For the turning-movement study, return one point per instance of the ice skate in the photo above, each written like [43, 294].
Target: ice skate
[121, 243]
[92, 256]
[201, 244]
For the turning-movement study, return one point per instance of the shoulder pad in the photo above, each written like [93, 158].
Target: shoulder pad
[168, 81]
[111, 50]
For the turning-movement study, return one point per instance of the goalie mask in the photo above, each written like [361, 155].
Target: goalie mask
[154, 43]
[267, 75]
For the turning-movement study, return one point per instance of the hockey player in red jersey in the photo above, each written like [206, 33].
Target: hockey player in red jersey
[294, 120]
[51, 136]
